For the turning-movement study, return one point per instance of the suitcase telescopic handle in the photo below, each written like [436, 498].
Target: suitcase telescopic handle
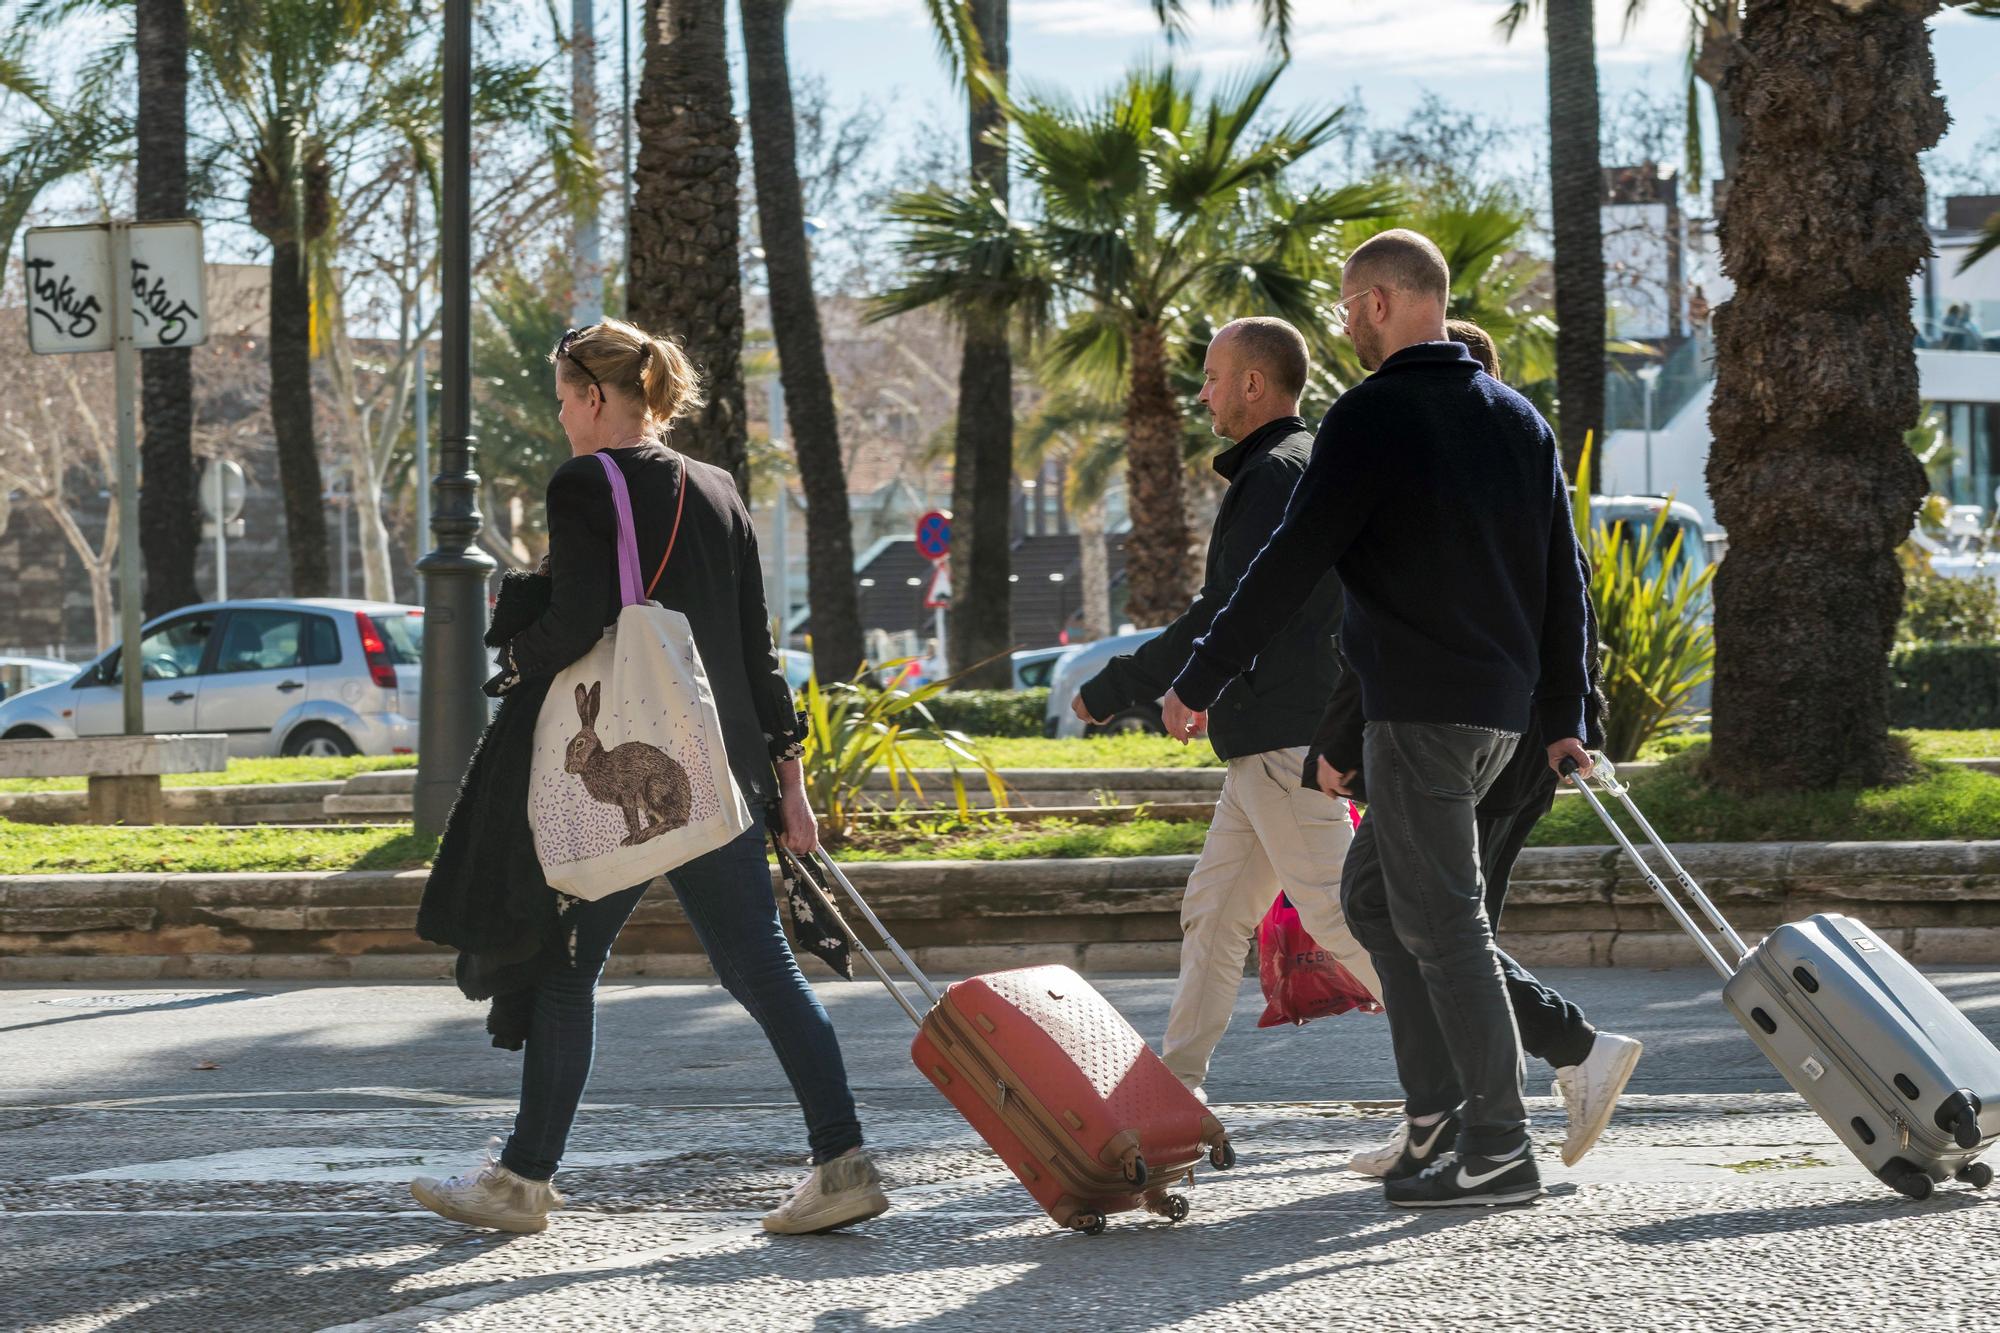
[825, 864]
[1606, 774]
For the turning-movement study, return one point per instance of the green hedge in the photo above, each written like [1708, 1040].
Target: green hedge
[1950, 686]
[991, 712]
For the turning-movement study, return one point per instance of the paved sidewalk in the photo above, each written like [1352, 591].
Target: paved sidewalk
[139, 1192]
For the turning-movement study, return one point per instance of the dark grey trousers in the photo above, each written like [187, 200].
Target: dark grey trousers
[1415, 898]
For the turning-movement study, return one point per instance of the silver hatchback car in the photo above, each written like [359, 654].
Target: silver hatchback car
[312, 676]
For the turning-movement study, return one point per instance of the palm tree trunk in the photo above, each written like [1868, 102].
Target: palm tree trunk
[1095, 567]
[169, 516]
[1816, 383]
[812, 424]
[1157, 562]
[983, 450]
[1578, 189]
[292, 420]
[1721, 40]
[684, 261]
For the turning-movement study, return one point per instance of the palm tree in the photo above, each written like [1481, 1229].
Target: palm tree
[1084, 434]
[983, 444]
[169, 523]
[809, 411]
[683, 259]
[1157, 204]
[1576, 182]
[1816, 383]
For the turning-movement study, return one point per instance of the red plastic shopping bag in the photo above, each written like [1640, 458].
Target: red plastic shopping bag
[1301, 980]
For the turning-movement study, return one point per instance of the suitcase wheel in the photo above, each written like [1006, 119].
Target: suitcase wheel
[1134, 1167]
[1900, 1176]
[1223, 1155]
[1976, 1174]
[1090, 1224]
[1176, 1209]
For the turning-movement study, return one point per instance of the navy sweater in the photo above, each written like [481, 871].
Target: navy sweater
[1438, 494]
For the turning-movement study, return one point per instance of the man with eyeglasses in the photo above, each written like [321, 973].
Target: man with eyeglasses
[1438, 495]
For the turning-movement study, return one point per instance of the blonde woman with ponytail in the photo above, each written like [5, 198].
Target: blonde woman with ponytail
[619, 390]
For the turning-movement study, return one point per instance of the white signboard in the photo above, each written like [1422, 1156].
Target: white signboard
[69, 283]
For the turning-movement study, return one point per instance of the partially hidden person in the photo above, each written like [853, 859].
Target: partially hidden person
[1270, 831]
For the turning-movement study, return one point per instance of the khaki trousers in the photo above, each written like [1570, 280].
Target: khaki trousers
[1269, 834]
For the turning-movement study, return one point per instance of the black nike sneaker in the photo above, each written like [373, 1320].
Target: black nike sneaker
[1421, 1145]
[1467, 1180]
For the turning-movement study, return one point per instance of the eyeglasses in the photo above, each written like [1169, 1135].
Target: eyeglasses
[562, 350]
[1339, 319]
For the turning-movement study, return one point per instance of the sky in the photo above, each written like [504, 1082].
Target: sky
[1388, 52]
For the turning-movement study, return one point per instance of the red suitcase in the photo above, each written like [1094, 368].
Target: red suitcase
[1053, 1078]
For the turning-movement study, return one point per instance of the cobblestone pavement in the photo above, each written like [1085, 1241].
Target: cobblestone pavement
[138, 1192]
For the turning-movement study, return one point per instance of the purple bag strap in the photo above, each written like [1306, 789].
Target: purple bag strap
[631, 592]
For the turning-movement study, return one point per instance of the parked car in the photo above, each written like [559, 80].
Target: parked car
[1033, 665]
[797, 667]
[313, 676]
[1078, 664]
[18, 675]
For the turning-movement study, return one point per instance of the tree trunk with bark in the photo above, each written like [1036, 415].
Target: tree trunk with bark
[684, 280]
[292, 421]
[983, 448]
[1816, 383]
[1577, 182]
[1094, 562]
[1158, 561]
[809, 412]
[169, 511]
[1720, 42]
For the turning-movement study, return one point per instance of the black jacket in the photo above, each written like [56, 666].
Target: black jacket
[1527, 777]
[486, 896]
[1438, 494]
[714, 579]
[1273, 705]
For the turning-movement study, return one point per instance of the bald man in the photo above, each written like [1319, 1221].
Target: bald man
[1438, 494]
[1271, 831]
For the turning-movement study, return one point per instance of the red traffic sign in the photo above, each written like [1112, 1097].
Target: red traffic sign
[938, 595]
[934, 535]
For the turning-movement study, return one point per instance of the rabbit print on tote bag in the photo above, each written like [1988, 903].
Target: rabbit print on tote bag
[630, 778]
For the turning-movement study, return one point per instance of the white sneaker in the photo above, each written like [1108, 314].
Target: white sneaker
[1590, 1090]
[491, 1196]
[1377, 1161]
[838, 1193]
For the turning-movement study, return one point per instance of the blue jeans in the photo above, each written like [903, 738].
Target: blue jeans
[727, 897]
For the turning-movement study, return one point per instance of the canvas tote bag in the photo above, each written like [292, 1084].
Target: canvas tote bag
[630, 779]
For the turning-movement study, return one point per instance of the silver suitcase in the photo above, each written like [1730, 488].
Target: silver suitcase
[1905, 1079]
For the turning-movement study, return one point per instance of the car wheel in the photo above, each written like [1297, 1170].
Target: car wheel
[316, 740]
[27, 734]
[1132, 720]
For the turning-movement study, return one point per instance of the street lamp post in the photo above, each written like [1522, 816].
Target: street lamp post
[1649, 376]
[456, 572]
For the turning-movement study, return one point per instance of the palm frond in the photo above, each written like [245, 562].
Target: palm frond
[1989, 235]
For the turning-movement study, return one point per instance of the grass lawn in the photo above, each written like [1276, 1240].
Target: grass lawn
[999, 840]
[1128, 750]
[242, 771]
[57, 849]
[1943, 803]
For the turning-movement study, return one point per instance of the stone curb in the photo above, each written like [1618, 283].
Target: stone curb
[1939, 902]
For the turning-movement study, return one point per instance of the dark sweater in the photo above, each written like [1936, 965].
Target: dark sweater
[714, 579]
[1273, 705]
[1438, 494]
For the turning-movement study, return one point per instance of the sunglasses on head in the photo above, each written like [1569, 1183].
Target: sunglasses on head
[562, 350]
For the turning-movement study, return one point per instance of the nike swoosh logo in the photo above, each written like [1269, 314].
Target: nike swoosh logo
[1468, 1181]
[1423, 1149]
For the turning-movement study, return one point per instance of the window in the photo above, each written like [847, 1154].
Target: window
[261, 641]
[322, 642]
[403, 636]
[173, 650]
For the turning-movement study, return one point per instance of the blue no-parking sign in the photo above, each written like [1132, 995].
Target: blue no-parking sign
[934, 535]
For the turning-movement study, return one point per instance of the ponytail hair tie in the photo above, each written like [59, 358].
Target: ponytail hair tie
[645, 352]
